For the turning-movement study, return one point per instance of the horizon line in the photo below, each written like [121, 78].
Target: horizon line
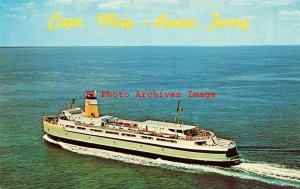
[55, 46]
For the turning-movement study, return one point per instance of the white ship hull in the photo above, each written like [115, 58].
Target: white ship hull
[144, 146]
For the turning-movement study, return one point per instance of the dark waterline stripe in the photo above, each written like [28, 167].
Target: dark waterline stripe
[146, 154]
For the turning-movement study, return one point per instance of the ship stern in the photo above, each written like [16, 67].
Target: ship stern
[233, 155]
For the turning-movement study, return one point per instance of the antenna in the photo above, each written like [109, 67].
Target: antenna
[68, 103]
[73, 103]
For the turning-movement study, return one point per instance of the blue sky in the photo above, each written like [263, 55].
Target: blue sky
[274, 22]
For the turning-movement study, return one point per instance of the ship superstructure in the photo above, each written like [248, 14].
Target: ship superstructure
[156, 139]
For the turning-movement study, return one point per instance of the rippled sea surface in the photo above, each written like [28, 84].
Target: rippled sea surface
[257, 105]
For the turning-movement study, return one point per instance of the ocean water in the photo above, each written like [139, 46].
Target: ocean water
[257, 105]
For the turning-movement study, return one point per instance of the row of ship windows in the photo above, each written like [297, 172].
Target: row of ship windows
[123, 134]
[159, 139]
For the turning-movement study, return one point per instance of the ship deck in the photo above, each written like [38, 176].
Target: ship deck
[133, 129]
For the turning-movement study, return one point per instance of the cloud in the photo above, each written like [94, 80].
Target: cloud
[136, 4]
[29, 5]
[285, 14]
[278, 2]
[249, 17]
[78, 4]
[113, 4]
[296, 27]
[20, 7]
[62, 2]
[260, 2]
[10, 16]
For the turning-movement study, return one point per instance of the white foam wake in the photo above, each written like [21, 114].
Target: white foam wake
[271, 170]
[264, 172]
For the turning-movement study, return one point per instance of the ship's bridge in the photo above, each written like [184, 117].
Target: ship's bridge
[77, 115]
[107, 119]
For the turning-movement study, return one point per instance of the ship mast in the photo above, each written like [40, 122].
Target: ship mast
[179, 109]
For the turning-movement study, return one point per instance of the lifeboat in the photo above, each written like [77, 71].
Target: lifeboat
[204, 133]
[145, 132]
[118, 123]
[167, 135]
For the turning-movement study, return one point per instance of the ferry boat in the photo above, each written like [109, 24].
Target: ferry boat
[155, 139]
